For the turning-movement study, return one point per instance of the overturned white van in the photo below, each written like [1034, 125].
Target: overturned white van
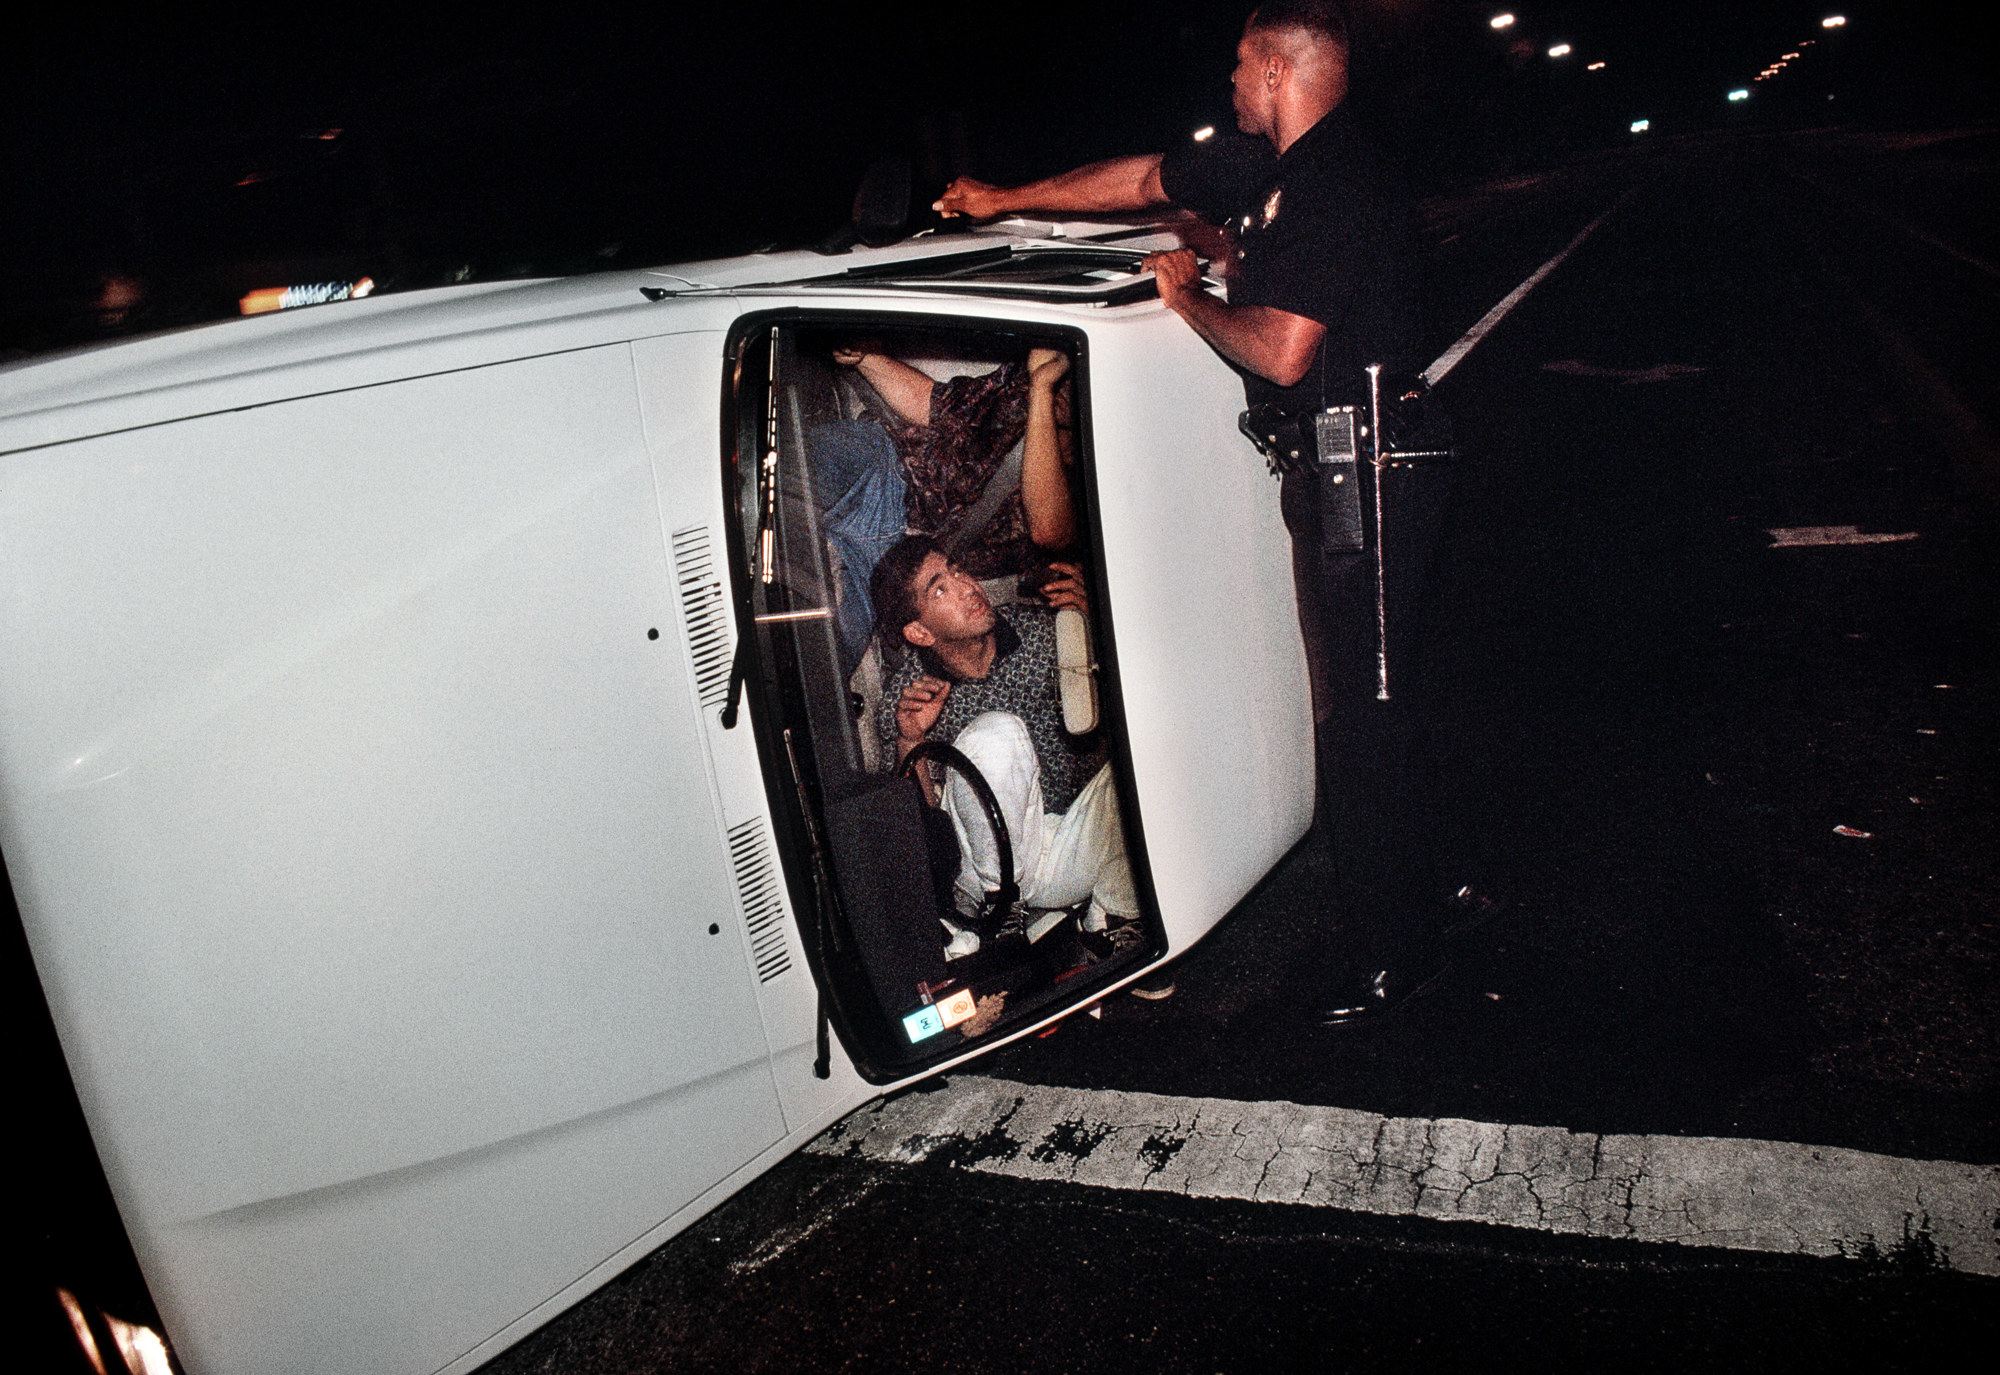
[451, 841]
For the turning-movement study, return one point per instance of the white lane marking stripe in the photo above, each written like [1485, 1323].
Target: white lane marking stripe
[1816, 536]
[1448, 360]
[1691, 1190]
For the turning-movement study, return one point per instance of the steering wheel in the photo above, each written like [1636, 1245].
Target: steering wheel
[1008, 893]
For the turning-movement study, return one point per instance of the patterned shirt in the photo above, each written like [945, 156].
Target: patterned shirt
[974, 422]
[1022, 681]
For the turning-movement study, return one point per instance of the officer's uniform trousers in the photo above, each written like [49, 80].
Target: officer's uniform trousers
[1376, 808]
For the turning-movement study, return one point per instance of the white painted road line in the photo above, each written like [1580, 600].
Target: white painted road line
[1692, 1190]
[1818, 536]
[1449, 359]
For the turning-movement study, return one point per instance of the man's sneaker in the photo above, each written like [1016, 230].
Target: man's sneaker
[1155, 986]
[1125, 935]
[1120, 936]
[1013, 928]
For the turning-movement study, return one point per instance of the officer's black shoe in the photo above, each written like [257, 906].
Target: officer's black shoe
[1368, 997]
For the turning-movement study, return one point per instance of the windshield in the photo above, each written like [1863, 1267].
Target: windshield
[914, 546]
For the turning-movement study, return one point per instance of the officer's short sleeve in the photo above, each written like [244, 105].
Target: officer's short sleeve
[1218, 177]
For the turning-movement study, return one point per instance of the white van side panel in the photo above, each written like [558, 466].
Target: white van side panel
[365, 845]
[680, 378]
[1210, 662]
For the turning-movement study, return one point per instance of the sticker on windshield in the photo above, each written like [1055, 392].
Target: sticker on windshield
[924, 1022]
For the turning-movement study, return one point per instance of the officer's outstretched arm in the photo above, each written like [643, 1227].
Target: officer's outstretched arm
[1128, 183]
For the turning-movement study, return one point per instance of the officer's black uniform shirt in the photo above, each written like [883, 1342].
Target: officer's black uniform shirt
[1322, 232]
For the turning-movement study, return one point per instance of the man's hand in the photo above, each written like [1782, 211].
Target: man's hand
[976, 200]
[1046, 367]
[1065, 587]
[917, 710]
[1178, 273]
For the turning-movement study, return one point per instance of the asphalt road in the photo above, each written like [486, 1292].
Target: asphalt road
[1740, 786]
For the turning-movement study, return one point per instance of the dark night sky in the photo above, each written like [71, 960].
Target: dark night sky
[180, 152]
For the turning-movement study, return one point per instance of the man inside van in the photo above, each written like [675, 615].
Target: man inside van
[1319, 289]
[984, 679]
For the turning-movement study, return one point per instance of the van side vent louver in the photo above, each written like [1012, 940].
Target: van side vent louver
[702, 609]
[757, 887]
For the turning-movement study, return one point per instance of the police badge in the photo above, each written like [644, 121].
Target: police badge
[1271, 207]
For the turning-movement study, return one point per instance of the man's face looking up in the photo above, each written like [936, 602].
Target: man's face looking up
[951, 606]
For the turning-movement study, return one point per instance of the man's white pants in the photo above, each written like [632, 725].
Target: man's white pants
[1060, 858]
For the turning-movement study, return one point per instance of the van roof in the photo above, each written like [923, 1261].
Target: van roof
[229, 364]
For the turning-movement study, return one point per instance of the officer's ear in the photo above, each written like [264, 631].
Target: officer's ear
[919, 635]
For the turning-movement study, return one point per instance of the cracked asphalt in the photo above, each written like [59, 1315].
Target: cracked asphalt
[1743, 797]
[1782, 1197]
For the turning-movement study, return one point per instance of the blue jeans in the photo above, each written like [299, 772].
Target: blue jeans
[860, 489]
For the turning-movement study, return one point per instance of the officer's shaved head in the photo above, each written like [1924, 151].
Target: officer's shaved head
[1318, 20]
[1311, 36]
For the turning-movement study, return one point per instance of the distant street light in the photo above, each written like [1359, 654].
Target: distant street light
[1204, 133]
[1640, 126]
[1740, 93]
[1833, 21]
[1559, 50]
[1501, 21]
[1595, 67]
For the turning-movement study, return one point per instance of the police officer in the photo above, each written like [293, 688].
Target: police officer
[1319, 290]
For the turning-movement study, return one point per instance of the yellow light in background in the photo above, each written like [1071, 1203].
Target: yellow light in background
[1791, 57]
[1595, 66]
[1559, 50]
[1501, 21]
[1833, 21]
[1204, 133]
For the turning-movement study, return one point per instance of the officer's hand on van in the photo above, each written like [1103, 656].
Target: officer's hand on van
[917, 709]
[969, 197]
[1178, 274]
[1064, 588]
